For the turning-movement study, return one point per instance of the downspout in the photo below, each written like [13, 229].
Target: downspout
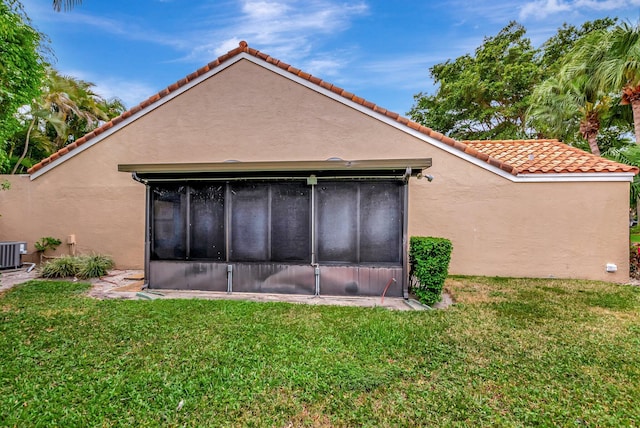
[147, 234]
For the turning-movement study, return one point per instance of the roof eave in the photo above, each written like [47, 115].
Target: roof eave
[413, 166]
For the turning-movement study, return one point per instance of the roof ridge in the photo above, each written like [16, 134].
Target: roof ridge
[243, 47]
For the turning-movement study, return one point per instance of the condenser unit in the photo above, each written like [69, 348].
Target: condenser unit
[10, 253]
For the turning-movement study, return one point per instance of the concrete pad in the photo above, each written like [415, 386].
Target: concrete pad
[394, 303]
[126, 284]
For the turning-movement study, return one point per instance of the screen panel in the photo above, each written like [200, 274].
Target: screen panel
[249, 222]
[207, 222]
[337, 222]
[290, 222]
[169, 223]
[357, 221]
[381, 211]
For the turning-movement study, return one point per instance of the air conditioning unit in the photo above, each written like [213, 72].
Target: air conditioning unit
[10, 253]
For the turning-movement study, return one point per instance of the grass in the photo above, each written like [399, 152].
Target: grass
[634, 233]
[512, 352]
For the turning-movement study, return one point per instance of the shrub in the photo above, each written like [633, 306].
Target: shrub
[429, 258]
[83, 267]
[634, 261]
[60, 267]
[47, 242]
[94, 266]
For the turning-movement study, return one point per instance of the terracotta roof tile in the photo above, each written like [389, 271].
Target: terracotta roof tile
[510, 156]
[544, 156]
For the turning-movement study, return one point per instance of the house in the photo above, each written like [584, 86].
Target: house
[252, 175]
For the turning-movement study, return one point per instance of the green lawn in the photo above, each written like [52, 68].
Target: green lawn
[511, 353]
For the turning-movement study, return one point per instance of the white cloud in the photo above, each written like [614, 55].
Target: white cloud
[291, 30]
[284, 28]
[123, 26]
[226, 46]
[326, 66]
[541, 9]
[405, 72]
[484, 10]
[130, 92]
[606, 5]
[264, 10]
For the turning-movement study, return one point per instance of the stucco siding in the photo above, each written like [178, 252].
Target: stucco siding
[249, 113]
[105, 216]
[565, 230]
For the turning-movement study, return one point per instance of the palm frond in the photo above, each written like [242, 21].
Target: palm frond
[67, 5]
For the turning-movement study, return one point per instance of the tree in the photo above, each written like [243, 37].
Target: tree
[617, 65]
[485, 95]
[67, 5]
[557, 46]
[22, 69]
[629, 155]
[571, 102]
[561, 108]
[68, 109]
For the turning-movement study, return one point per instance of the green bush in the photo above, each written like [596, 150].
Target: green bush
[94, 266]
[82, 267]
[60, 267]
[429, 258]
[634, 260]
[47, 242]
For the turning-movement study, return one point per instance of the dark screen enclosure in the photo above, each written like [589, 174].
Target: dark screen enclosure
[342, 221]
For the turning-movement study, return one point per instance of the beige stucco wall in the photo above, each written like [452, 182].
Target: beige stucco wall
[248, 113]
[501, 228]
[105, 215]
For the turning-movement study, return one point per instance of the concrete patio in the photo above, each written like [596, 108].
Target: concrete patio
[127, 284]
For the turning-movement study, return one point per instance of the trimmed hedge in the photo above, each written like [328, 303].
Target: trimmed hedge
[429, 258]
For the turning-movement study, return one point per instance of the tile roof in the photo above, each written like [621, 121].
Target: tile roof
[546, 156]
[488, 151]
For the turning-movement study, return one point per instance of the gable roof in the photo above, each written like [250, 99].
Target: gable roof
[484, 154]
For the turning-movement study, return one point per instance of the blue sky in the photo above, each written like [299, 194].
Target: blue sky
[380, 50]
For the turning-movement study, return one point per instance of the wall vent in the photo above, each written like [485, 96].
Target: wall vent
[10, 254]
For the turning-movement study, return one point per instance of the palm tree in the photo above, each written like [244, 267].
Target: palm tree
[629, 155]
[66, 4]
[68, 108]
[563, 106]
[614, 58]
